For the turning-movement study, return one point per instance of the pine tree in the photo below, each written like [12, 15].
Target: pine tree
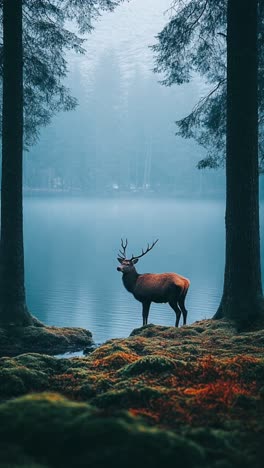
[196, 40]
[35, 40]
[12, 294]
[194, 43]
[242, 297]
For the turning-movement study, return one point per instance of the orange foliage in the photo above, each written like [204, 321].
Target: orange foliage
[219, 392]
[115, 360]
[143, 412]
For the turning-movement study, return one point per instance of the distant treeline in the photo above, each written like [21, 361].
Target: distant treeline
[124, 140]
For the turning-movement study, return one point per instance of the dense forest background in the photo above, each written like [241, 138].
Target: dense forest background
[130, 116]
[125, 138]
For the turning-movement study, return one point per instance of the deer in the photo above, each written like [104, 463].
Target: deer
[153, 287]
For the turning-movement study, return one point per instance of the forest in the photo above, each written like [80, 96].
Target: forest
[138, 120]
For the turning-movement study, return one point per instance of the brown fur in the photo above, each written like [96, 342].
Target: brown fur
[159, 285]
[156, 287]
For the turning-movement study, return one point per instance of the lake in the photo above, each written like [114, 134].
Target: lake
[71, 246]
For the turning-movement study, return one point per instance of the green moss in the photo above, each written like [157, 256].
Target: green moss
[67, 434]
[153, 364]
[86, 391]
[246, 402]
[114, 361]
[148, 330]
[82, 364]
[129, 397]
[204, 375]
[11, 385]
[41, 362]
[20, 380]
[254, 371]
[261, 393]
[28, 373]
[223, 448]
[49, 340]
[12, 456]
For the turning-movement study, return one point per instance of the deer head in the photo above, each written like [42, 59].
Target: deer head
[127, 265]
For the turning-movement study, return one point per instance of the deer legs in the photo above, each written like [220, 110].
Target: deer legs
[145, 312]
[174, 305]
[177, 305]
[182, 306]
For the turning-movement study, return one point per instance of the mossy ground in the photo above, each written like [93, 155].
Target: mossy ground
[42, 339]
[186, 397]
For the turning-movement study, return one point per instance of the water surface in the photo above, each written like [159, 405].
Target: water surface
[71, 247]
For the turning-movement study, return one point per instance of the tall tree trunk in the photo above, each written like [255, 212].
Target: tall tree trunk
[13, 309]
[242, 298]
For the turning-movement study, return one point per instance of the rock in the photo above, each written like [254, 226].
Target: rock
[41, 339]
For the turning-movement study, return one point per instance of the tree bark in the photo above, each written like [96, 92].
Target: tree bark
[242, 298]
[13, 309]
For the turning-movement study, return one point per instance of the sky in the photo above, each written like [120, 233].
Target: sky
[128, 32]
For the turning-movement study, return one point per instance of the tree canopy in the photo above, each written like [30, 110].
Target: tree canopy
[51, 28]
[192, 43]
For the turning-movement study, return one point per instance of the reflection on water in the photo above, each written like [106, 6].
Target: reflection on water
[71, 247]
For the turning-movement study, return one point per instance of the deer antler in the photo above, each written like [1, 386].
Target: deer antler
[122, 252]
[146, 251]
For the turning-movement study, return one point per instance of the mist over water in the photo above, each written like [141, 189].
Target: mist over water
[118, 152]
[71, 248]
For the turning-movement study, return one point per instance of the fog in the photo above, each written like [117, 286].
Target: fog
[121, 138]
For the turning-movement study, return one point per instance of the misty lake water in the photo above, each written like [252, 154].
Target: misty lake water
[71, 247]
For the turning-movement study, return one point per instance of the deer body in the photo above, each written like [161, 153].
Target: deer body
[154, 287]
